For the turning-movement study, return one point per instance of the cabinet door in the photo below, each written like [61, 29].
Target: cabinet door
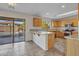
[59, 34]
[37, 22]
[71, 48]
[57, 23]
[51, 40]
[77, 47]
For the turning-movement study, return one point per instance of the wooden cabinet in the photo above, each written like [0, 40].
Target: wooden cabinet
[59, 34]
[72, 48]
[74, 21]
[51, 40]
[57, 23]
[77, 47]
[37, 22]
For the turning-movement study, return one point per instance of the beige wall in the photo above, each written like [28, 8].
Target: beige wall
[20, 15]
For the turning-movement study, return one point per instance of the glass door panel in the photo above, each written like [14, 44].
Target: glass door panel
[12, 30]
[6, 32]
[19, 30]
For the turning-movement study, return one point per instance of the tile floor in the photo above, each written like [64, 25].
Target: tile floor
[26, 49]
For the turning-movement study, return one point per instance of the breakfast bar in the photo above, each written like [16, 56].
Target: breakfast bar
[44, 39]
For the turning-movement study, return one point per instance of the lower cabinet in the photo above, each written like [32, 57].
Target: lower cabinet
[77, 47]
[59, 34]
[72, 48]
[51, 39]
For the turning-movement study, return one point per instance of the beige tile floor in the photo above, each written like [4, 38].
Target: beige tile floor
[26, 49]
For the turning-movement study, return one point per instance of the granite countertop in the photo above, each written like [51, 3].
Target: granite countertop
[40, 31]
[37, 30]
[43, 30]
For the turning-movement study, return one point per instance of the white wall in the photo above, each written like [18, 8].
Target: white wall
[19, 15]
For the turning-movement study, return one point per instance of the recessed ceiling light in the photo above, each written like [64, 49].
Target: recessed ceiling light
[47, 13]
[63, 6]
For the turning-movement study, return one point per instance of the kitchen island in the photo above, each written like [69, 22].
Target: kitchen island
[44, 39]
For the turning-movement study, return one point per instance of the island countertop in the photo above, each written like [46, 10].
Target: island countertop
[40, 31]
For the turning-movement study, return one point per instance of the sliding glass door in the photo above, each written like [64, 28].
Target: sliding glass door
[12, 30]
[19, 30]
[6, 32]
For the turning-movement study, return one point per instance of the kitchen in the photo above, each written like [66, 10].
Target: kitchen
[48, 31]
[61, 34]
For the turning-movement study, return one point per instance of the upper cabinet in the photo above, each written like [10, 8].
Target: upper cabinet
[64, 22]
[73, 21]
[56, 23]
[37, 22]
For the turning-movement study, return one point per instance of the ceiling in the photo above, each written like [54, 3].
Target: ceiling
[50, 10]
